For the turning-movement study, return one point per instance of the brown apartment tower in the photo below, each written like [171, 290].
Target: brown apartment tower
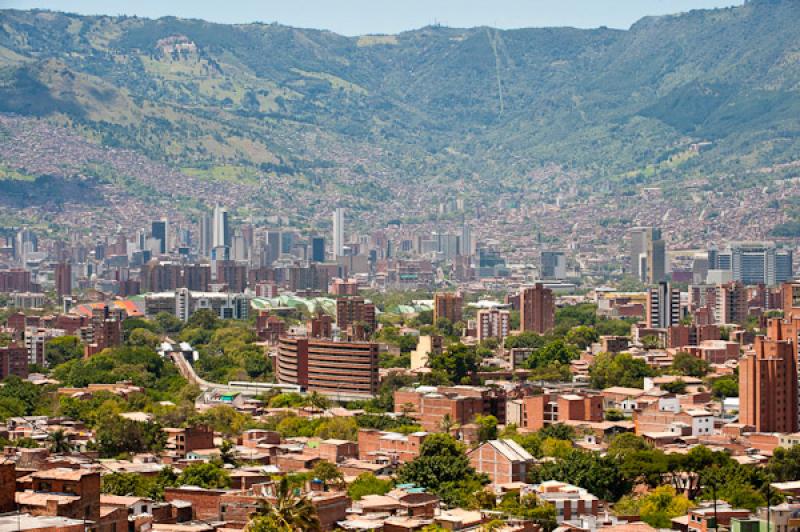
[448, 305]
[768, 386]
[63, 275]
[537, 309]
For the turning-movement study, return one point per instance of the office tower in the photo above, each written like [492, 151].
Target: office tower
[647, 254]
[537, 309]
[159, 230]
[353, 312]
[63, 278]
[493, 323]
[731, 304]
[663, 306]
[465, 246]
[446, 244]
[768, 386]
[273, 246]
[26, 242]
[638, 251]
[338, 232]
[287, 242]
[206, 235]
[221, 230]
[239, 249]
[784, 270]
[318, 249]
[448, 305]
[656, 258]
[753, 262]
[554, 265]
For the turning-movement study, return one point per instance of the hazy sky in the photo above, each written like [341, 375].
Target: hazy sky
[355, 17]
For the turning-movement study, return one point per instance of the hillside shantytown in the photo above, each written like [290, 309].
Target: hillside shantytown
[259, 278]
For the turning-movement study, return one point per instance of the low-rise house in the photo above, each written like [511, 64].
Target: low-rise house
[503, 461]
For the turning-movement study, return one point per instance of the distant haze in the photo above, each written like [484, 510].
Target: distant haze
[358, 17]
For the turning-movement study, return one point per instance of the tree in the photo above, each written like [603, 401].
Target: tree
[443, 468]
[338, 428]
[626, 442]
[205, 319]
[525, 340]
[61, 349]
[59, 442]
[457, 361]
[614, 414]
[558, 431]
[609, 369]
[599, 474]
[169, 323]
[20, 392]
[318, 401]
[676, 386]
[204, 475]
[555, 352]
[289, 513]
[368, 484]
[143, 338]
[727, 386]
[658, 507]
[227, 452]
[582, 336]
[784, 464]
[328, 473]
[650, 342]
[487, 427]
[689, 365]
[115, 435]
[556, 448]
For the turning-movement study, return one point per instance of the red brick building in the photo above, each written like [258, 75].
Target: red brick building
[505, 461]
[327, 366]
[389, 447]
[448, 305]
[536, 411]
[13, 361]
[352, 312]
[460, 403]
[768, 386]
[537, 309]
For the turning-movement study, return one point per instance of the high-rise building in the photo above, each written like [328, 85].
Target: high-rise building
[465, 245]
[768, 386]
[63, 279]
[159, 230]
[554, 265]
[784, 270]
[448, 305]
[663, 306]
[753, 262]
[221, 230]
[537, 309]
[355, 312]
[647, 254]
[338, 232]
[274, 241]
[206, 235]
[493, 323]
[656, 258]
[318, 249]
[731, 304]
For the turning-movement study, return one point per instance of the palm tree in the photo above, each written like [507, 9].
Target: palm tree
[59, 442]
[318, 401]
[447, 424]
[289, 513]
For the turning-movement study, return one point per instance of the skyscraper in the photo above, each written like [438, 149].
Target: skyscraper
[768, 386]
[465, 245]
[554, 265]
[663, 306]
[338, 232]
[753, 262]
[159, 230]
[63, 278]
[318, 249]
[448, 305]
[221, 230]
[784, 270]
[206, 235]
[647, 254]
[537, 309]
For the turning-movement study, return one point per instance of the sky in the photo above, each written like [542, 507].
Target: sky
[358, 17]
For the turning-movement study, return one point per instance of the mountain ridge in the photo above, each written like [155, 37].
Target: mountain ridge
[621, 107]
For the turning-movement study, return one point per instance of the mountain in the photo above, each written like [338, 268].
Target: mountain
[373, 119]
